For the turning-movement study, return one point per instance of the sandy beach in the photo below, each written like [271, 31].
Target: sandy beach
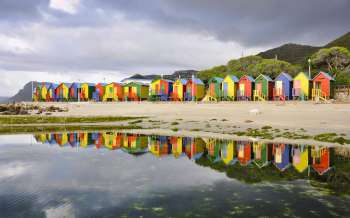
[224, 116]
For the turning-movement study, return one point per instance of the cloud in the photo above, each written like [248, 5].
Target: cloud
[68, 6]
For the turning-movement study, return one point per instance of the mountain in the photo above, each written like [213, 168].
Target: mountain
[298, 54]
[24, 94]
[186, 74]
[4, 99]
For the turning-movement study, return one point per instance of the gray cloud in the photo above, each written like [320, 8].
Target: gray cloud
[18, 10]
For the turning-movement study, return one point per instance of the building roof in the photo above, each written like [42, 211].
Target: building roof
[218, 79]
[182, 81]
[233, 78]
[325, 75]
[249, 78]
[286, 75]
[266, 77]
[307, 76]
[197, 81]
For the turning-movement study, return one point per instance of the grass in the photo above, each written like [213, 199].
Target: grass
[31, 129]
[331, 137]
[59, 119]
[175, 129]
[174, 123]
[135, 122]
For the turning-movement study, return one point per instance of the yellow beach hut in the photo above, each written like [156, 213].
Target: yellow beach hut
[113, 92]
[229, 87]
[179, 90]
[228, 152]
[62, 92]
[302, 86]
[86, 91]
[301, 157]
[44, 91]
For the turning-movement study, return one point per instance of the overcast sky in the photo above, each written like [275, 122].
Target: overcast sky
[96, 40]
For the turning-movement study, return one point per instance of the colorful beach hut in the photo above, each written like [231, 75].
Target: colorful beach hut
[43, 91]
[283, 87]
[323, 86]
[161, 89]
[179, 90]
[177, 146]
[215, 88]
[113, 92]
[112, 140]
[263, 88]
[135, 91]
[194, 150]
[159, 145]
[135, 144]
[99, 92]
[61, 138]
[73, 139]
[301, 87]
[244, 153]
[195, 90]
[51, 92]
[301, 157]
[245, 88]
[282, 156]
[213, 147]
[262, 154]
[74, 91]
[229, 87]
[62, 92]
[228, 152]
[321, 160]
[86, 91]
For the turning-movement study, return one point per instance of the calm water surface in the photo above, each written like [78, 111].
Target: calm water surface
[109, 174]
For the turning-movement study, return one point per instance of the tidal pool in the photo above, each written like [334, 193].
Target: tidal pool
[111, 174]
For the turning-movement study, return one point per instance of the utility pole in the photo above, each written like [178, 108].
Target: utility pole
[309, 60]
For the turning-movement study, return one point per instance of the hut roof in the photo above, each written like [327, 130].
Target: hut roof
[325, 75]
[266, 77]
[182, 81]
[286, 75]
[233, 78]
[249, 78]
[307, 76]
[218, 79]
[197, 81]
[102, 84]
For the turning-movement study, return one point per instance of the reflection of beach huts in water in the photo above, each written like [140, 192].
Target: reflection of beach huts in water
[179, 90]
[85, 139]
[301, 87]
[112, 140]
[42, 137]
[177, 146]
[323, 86]
[135, 144]
[283, 87]
[282, 156]
[135, 91]
[228, 152]
[73, 139]
[245, 88]
[321, 159]
[263, 88]
[162, 89]
[244, 152]
[159, 145]
[229, 87]
[99, 92]
[213, 147]
[61, 138]
[195, 148]
[113, 92]
[194, 90]
[97, 139]
[262, 154]
[86, 91]
[301, 157]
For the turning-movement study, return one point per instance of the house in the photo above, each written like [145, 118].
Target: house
[195, 89]
[244, 152]
[135, 91]
[282, 156]
[245, 88]
[262, 154]
[74, 91]
[301, 87]
[263, 88]
[86, 91]
[229, 87]
[179, 90]
[62, 92]
[323, 86]
[215, 89]
[321, 159]
[99, 92]
[301, 157]
[113, 92]
[51, 92]
[228, 152]
[283, 87]
[161, 89]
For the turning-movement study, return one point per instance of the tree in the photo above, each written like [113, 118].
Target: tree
[334, 60]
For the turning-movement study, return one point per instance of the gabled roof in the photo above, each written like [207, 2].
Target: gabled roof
[286, 75]
[197, 81]
[182, 81]
[249, 78]
[89, 84]
[233, 78]
[75, 84]
[102, 84]
[325, 75]
[218, 79]
[266, 77]
[53, 85]
[307, 76]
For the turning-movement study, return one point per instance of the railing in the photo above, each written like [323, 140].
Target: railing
[318, 94]
[258, 95]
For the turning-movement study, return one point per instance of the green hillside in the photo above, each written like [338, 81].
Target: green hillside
[343, 41]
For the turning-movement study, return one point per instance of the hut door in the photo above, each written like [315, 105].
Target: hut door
[259, 87]
[163, 89]
[157, 89]
[212, 89]
[318, 85]
[279, 87]
[242, 89]
[225, 89]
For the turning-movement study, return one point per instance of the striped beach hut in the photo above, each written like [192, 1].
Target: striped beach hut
[213, 147]
[229, 87]
[51, 92]
[215, 88]
[113, 92]
[195, 89]
[282, 156]
[321, 159]
[36, 92]
[135, 144]
[245, 153]
[62, 91]
[263, 88]
[245, 88]
[228, 152]
[177, 146]
[99, 92]
[86, 91]
[112, 140]
[262, 154]
[323, 86]
[301, 87]
[194, 150]
[161, 89]
[283, 87]
[135, 91]
[74, 91]
[179, 90]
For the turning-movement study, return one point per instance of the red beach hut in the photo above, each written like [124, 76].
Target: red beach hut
[323, 85]
[245, 88]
